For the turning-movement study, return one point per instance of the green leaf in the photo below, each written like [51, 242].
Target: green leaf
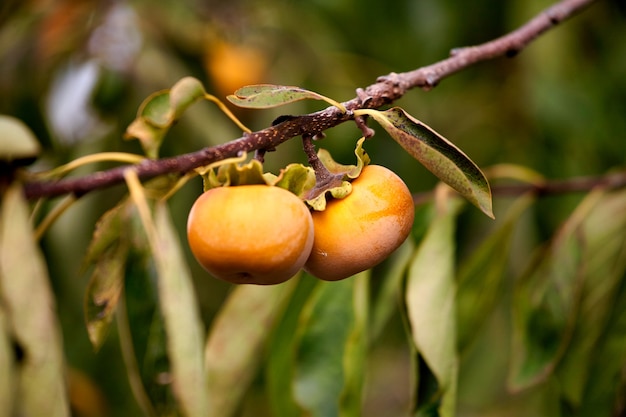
[326, 380]
[159, 111]
[264, 96]
[237, 339]
[604, 263]
[279, 368]
[606, 383]
[142, 331]
[389, 294]
[437, 154]
[30, 308]
[183, 94]
[480, 278]
[547, 299]
[430, 305]
[185, 338]
[355, 352]
[17, 141]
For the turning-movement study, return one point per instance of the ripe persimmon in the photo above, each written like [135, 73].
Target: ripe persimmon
[250, 234]
[359, 231]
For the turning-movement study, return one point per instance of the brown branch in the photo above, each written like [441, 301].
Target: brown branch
[554, 187]
[386, 90]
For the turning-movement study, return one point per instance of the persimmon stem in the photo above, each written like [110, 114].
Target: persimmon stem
[322, 174]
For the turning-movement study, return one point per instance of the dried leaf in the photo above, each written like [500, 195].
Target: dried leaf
[30, 308]
[185, 335]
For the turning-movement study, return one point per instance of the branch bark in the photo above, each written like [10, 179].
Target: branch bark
[386, 90]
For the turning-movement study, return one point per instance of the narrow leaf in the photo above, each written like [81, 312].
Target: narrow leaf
[179, 307]
[604, 260]
[355, 352]
[326, 324]
[546, 301]
[389, 295]
[237, 339]
[480, 278]
[264, 96]
[7, 365]
[30, 308]
[437, 154]
[430, 303]
[279, 369]
[103, 293]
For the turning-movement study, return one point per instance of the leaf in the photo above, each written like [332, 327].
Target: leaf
[355, 352]
[437, 154]
[279, 369]
[239, 334]
[265, 96]
[103, 293]
[183, 94]
[606, 381]
[185, 338]
[480, 278]
[7, 367]
[159, 111]
[604, 262]
[30, 308]
[546, 301]
[389, 294]
[17, 141]
[142, 330]
[430, 304]
[329, 355]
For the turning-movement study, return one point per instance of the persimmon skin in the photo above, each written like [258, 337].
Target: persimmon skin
[361, 230]
[250, 234]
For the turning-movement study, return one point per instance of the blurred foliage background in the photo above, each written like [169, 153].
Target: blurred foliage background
[76, 70]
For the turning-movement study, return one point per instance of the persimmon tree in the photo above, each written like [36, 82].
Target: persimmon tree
[306, 346]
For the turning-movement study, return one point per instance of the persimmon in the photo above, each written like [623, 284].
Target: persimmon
[359, 231]
[250, 234]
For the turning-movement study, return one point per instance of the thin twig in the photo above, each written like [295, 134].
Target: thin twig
[610, 181]
[386, 90]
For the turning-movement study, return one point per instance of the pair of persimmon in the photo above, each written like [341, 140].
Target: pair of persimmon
[261, 234]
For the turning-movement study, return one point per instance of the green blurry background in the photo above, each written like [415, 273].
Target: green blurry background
[75, 71]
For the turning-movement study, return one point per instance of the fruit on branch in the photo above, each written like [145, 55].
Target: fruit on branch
[359, 231]
[250, 234]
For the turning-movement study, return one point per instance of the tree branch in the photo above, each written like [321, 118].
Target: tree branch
[609, 181]
[386, 90]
